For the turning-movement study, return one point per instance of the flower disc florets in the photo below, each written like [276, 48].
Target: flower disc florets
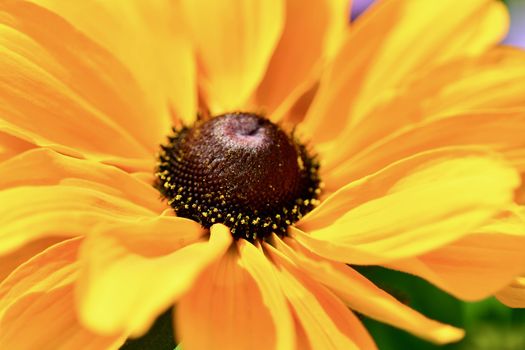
[241, 170]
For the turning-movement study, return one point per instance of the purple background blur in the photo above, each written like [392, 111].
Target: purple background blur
[517, 23]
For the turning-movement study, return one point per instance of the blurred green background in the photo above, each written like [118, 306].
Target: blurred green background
[489, 324]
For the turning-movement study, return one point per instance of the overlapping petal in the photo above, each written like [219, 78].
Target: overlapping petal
[37, 307]
[478, 265]
[410, 208]
[380, 53]
[311, 29]
[44, 167]
[264, 273]
[233, 47]
[486, 83]
[363, 296]
[501, 131]
[11, 145]
[124, 286]
[39, 188]
[10, 261]
[327, 322]
[514, 294]
[53, 92]
[149, 39]
[227, 304]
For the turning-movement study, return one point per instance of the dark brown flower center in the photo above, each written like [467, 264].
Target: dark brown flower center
[241, 170]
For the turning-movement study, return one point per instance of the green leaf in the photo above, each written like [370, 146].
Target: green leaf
[159, 337]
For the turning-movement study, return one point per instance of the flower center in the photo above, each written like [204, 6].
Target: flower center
[241, 170]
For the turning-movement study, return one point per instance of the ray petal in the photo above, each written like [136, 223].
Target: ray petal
[122, 288]
[402, 213]
[234, 46]
[363, 296]
[67, 92]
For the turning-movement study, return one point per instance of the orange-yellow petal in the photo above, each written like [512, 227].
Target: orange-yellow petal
[48, 194]
[32, 212]
[11, 145]
[54, 93]
[502, 131]
[520, 193]
[47, 320]
[37, 308]
[149, 39]
[327, 322]
[395, 214]
[301, 51]
[234, 40]
[338, 27]
[478, 265]
[122, 289]
[154, 236]
[514, 294]
[491, 81]
[378, 183]
[380, 53]
[266, 276]
[41, 167]
[363, 296]
[11, 261]
[225, 309]
[52, 268]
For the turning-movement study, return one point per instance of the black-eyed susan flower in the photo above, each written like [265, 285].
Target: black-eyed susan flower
[395, 141]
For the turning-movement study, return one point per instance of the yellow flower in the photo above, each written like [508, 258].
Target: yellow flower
[417, 120]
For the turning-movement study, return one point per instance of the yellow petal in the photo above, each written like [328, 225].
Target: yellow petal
[501, 131]
[491, 81]
[32, 212]
[11, 145]
[56, 95]
[11, 261]
[376, 184]
[302, 341]
[148, 38]
[301, 50]
[47, 320]
[380, 53]
[37, 308]
[234, 46]
[154, 237]
[475, 266]
[514, 294]
[67, 196]
[520, 193]
[363, 296]
[338, 27]
[52, 268]
[123, 291]
[395, 215]
[225, 309]
[54, 169]
[266, 276]
[325, 319]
